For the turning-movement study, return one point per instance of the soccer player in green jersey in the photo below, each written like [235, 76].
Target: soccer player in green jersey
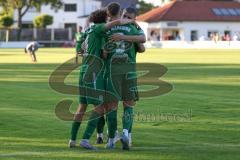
[78, 42]
[93, 77]
[130, 13]
[82, 99]
[118, 75]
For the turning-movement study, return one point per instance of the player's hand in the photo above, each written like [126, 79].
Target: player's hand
[116, 37]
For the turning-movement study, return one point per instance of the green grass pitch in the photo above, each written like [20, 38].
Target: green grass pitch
[207, 82]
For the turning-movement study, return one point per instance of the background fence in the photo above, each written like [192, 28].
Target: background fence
[64, 38]
[40, 35]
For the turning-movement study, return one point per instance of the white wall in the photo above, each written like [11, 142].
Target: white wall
[13, 44]
[201, 27]
[61, 17]
[161, 44]
[144, 26]
[28, 17]
[84, 7]
[194, 45]
[204, 27]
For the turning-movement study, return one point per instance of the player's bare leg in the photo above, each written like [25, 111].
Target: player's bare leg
[33, 56]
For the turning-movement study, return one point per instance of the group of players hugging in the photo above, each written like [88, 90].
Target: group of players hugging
[108, 75]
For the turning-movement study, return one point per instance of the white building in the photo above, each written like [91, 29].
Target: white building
[193, 21]
[158, 2]
[72, 14]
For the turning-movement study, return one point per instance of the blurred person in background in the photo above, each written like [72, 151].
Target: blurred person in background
[78, 42]
[31, 49]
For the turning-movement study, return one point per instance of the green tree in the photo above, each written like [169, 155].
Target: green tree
[42, 21]
[144, 7]
[22, 6]
[6, 22]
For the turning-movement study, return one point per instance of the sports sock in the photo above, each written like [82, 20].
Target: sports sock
[91, 126]
[100, 125]
[127, 119]
[130, 137]
[74, 131]
[99, 135]
[110, 140]
[112, 123]
[125, 132]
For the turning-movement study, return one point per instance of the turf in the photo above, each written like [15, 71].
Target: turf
[206, 86]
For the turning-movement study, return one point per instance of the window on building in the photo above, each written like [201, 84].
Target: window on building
[172, 24]
[213, 35]
[232, 12]
[217, 11]
[73, 26]
[70, 7]
[237, 10]
[27, 25]
[194, 35]
[226, 11]
[226, 36]
[227, 32]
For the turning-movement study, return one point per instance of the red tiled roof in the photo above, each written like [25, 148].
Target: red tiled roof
[190, 11]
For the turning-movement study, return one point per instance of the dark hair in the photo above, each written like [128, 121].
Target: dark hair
[131, 10]
[114, 8]
[98, 16]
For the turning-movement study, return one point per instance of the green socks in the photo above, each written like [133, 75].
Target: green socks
[91, 126]
[100, 125]
[127, 119]
[112, 123]
[130, 129]
[74, 131]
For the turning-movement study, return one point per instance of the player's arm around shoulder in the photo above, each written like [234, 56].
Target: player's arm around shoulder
[103, 27]
[134, 35]
[129, 38]
[118, 22]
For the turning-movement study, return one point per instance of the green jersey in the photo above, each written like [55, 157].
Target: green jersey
[140, 32]
[91, 74]
[78, 36]
[120, 70]
[124, 47]
[94, 40]
[79, 46]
